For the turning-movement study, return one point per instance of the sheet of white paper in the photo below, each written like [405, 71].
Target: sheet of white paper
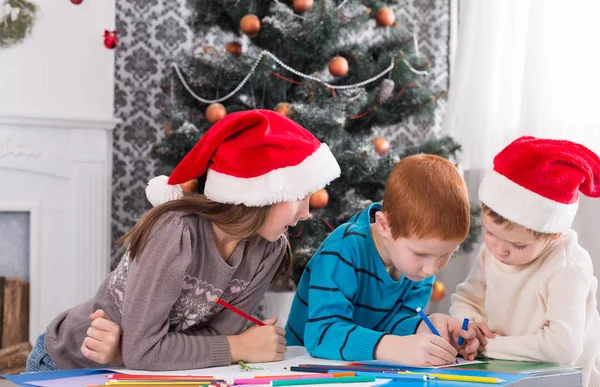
[293, 357]
[385, 363]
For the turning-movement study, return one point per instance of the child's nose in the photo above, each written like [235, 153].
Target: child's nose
[501, 250]
[430, 269]
[303, 211]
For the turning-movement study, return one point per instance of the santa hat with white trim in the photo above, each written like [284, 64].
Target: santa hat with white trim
[255, 158]
[535, 182]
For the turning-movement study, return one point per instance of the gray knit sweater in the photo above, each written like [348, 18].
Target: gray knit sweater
[164, 300]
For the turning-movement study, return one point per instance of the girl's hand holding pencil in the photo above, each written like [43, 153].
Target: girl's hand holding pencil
[259, 343]
[262, 343]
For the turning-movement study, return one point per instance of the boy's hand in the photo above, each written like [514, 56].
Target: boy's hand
[102, 344]
[451, 330]
[259, 344]
[419, 350]
[484, 332]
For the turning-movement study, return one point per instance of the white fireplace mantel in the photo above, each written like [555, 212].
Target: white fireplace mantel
[59, 170]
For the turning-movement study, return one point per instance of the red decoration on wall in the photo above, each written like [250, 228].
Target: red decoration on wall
[110, 39]
[76, 2]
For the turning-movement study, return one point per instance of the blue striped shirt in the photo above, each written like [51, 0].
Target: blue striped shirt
[346, 300]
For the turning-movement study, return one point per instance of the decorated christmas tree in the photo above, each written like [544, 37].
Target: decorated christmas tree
[338, 68]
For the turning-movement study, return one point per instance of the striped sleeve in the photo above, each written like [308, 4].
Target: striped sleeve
[407, 321]
[330, 330]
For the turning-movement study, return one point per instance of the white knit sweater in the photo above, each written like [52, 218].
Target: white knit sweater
[546, 310]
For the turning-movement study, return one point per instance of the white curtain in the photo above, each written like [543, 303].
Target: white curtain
[523, 67]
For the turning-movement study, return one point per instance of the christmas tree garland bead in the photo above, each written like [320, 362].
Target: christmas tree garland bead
[290, 69]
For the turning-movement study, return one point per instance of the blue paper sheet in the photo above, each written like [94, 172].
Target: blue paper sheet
[510, 378]
[22, 379]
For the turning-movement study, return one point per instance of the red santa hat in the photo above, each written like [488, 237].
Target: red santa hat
[255, 158]
[535, 182]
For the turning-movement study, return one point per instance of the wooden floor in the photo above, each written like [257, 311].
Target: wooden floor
[6, 383]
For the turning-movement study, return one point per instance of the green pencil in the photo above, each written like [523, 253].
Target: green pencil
[317, 380]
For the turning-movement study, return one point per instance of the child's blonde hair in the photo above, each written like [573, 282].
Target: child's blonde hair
[510, 225]
[425, 197]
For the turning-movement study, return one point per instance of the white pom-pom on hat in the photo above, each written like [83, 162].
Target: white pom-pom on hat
[159, 191]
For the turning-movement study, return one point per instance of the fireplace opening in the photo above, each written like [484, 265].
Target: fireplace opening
[14, 290]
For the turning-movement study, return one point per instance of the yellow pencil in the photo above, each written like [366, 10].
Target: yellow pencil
[460, 378]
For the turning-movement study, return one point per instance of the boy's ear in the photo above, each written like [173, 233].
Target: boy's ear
[382, 225]
[555, 236]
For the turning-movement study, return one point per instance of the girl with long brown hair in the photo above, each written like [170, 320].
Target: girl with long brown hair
[228, 242]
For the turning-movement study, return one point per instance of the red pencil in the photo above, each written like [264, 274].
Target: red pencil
[239, 312]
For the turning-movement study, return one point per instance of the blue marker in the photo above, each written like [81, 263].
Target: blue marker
[465, 326]
[429, 324]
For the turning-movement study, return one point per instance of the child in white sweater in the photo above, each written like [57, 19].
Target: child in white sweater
[532, 292]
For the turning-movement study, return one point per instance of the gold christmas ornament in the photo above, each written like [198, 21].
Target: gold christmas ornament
[234, 48]
[319, 199]
[215, 112]
[385, 17]
[338, 66]
[439, 290]
[302, 6]
[250, 25]
[284, 108]
[381, 145]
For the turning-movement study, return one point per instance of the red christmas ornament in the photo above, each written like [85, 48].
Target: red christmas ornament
[110, 39]
[76, 2]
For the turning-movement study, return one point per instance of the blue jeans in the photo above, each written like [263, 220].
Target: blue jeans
[39, 359]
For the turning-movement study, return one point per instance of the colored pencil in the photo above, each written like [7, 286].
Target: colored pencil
[334, 374]
[268, 380]
[348, 367]
[161, 383]
[343, 379]
[203, 384]
[389, 375]
[239, 312]
[339, 368]
[462, 378]
[153, 376]
[465, 326]
[213, 384]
